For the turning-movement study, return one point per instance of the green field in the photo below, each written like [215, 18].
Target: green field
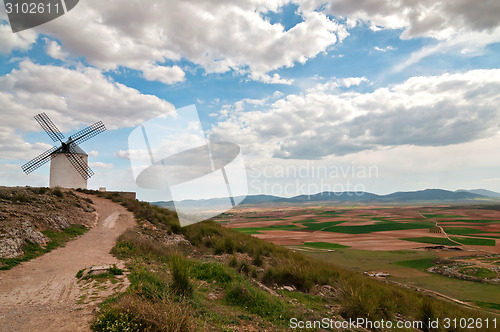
[257, 230]
[405, 266]
[380, 227]
[474, 241]
[431, 240]
[419, 264]
[324, 245]
[470, 221]
[461, 230]
[442, 215]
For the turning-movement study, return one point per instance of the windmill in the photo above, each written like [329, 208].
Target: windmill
[68, 162]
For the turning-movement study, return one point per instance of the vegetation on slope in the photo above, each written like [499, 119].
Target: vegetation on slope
[34, 221]
[220, 279]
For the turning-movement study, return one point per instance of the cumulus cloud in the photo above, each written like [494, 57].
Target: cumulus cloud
[15, 41]
[72, 98]
[427, 18]
[423, 111]
[217, 35]
[164, 74]
[54, 49]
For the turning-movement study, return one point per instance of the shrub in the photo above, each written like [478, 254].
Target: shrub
[254, 300]
[211, 272]
[58, 193]
[181, 284]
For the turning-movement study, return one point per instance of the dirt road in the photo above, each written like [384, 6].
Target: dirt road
[44, 294]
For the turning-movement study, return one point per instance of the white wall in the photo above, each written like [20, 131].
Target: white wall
[63, 174]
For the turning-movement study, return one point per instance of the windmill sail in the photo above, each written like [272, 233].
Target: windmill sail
[77, 163]
[88, 133]
[33, 164]
[49, 127]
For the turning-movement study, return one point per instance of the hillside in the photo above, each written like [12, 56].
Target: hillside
[34, 219]
[206, 277]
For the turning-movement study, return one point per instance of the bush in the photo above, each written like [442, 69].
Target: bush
[181, 284]
[131, 313]
[255, 301]
[212, 272]
[58, 193]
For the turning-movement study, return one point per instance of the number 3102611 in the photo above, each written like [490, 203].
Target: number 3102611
[32, 8]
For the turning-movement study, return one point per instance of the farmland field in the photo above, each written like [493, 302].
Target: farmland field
[452, 252]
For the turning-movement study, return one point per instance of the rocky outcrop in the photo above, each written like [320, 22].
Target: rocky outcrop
[26, 212]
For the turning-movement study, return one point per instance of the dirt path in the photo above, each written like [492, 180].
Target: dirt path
[44, 294]
[440, 228]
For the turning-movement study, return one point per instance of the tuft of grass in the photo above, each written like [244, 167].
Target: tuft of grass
[79, 274]
[181, 284]
[257, 302]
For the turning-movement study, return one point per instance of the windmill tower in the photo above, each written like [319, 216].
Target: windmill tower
[68, 162]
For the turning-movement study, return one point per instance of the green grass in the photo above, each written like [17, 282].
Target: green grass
[256, 301]
[461, 230]
[316, 226]
[257, 230]
[379, 227]
[470, 221]
[324, 245]
[363, 260]
[488, 305]
[419, 264]
[474, 241]
[33, 250]
[441, 215]
[431, 240]
[478, 272]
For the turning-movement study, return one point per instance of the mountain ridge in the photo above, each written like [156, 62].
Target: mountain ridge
[425, 195]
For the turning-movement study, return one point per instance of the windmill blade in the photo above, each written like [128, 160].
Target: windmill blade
[88, 133]
[77, 163]
[49, 127]
[33, 164]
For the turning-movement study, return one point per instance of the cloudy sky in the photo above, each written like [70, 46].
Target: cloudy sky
[375, 95]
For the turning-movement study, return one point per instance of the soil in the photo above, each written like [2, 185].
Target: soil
[45, 295]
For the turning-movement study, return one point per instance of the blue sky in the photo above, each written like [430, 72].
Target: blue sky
[409, 89]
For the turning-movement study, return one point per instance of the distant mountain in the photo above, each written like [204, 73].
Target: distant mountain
[346, 196]
[484, 192]
[427, 195]
[430, 195]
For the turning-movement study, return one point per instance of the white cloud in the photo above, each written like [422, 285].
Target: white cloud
[217, 35]
[164, 74]
[122, 154]
[422, 18]
[384, 49]
[15, 41]
[423, 111]
[93, 153]
[101, 165]
[71, 98]
[54, 49]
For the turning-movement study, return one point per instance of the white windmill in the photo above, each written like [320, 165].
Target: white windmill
[69, 163]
